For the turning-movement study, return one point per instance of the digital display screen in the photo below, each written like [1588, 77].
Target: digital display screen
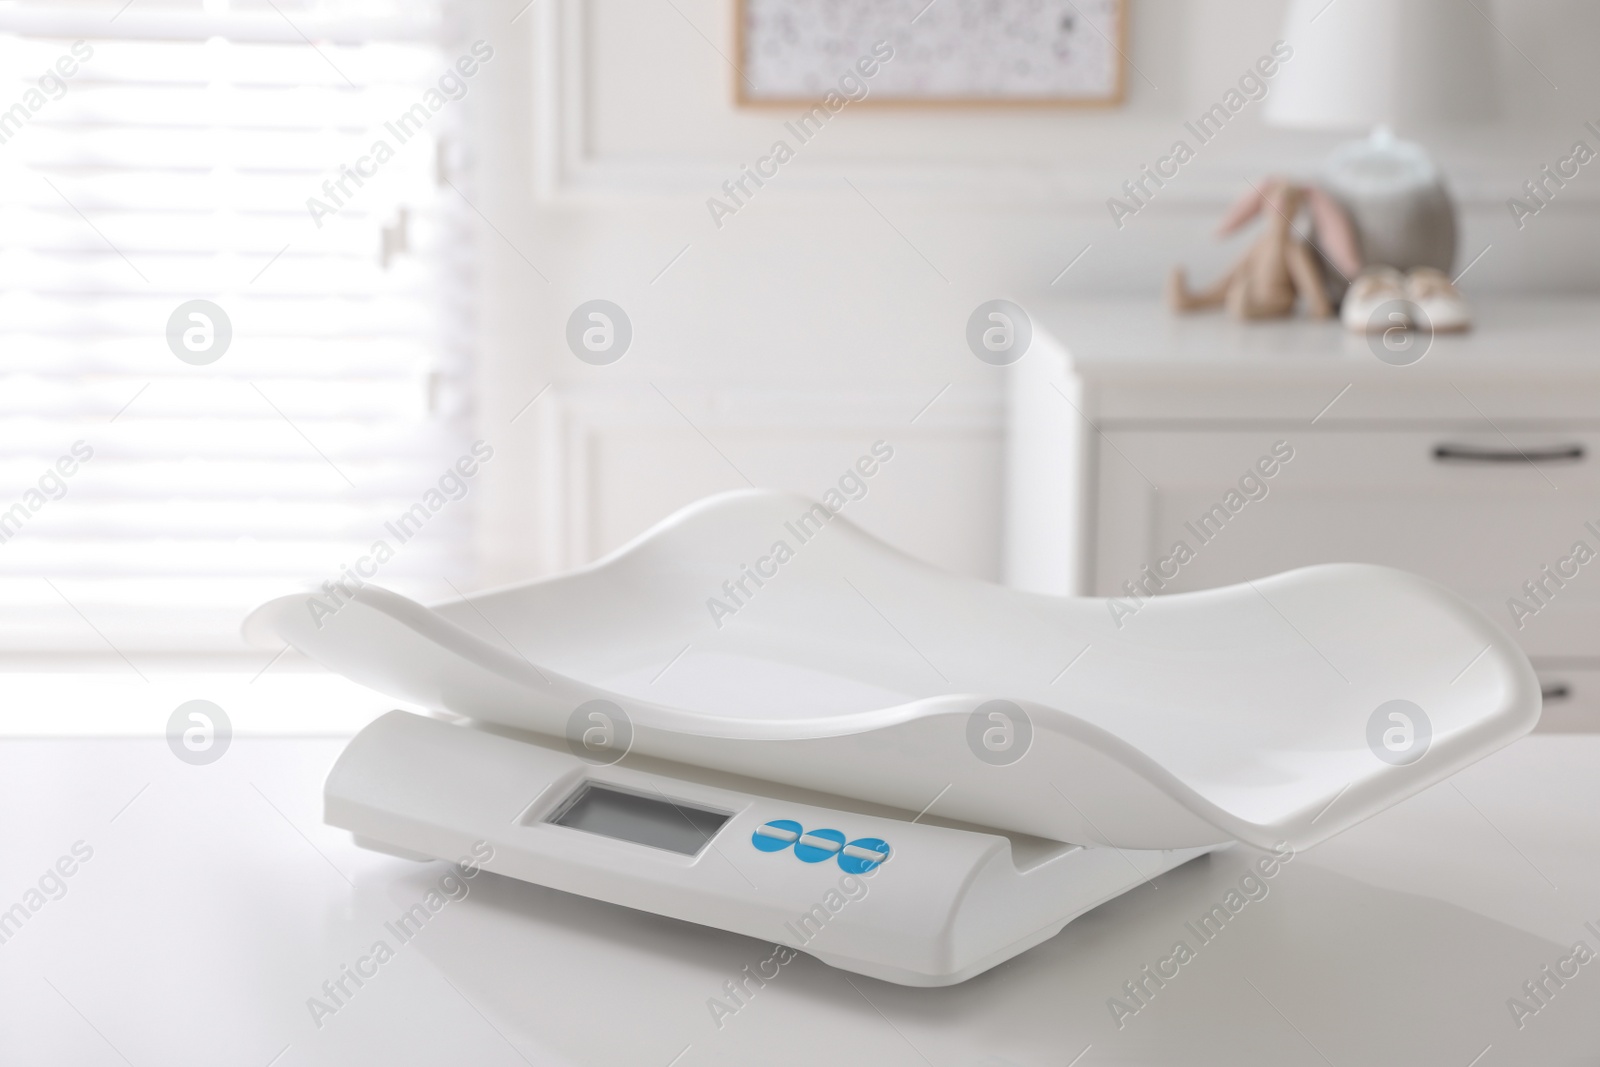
[645, 820]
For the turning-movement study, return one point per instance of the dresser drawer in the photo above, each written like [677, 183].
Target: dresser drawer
[1571, 699]
[1462, 507]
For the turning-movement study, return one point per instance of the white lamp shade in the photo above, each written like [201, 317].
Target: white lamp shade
[1361, 63]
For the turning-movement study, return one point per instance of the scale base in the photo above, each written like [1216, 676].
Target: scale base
[946, 904]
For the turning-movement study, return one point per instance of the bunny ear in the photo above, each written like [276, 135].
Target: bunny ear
[1336, 234]
[1247, 207]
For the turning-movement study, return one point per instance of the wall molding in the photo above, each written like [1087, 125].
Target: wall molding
[581, 419]
[568, 171]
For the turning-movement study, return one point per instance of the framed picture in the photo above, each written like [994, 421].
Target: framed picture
[940, 53]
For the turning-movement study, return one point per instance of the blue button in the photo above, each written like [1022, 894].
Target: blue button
[776, 836]
[863, 854]
[818, 845]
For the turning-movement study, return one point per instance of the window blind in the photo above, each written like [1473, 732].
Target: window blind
[154, 154]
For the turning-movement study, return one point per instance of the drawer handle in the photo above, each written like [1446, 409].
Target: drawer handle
[1554, 691]
[1469, 454]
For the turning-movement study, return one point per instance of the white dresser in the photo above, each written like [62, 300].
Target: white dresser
[1264, 447]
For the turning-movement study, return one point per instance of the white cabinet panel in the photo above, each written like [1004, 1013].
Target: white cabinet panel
[1445, 504]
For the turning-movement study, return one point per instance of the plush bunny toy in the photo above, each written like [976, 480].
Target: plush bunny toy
[1280, 267]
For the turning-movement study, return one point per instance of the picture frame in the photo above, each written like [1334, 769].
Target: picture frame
[951, 53]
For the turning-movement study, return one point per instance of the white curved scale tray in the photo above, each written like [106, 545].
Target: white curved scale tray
[1233, 714]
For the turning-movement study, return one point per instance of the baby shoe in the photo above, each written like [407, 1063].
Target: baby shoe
[1439, 305]
[1364, 308]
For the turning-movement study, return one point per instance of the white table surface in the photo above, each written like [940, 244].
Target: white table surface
[216, 903]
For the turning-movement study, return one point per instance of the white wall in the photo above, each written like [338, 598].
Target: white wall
[822, 316]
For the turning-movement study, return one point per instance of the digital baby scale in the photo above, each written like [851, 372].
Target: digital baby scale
[759, 718]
